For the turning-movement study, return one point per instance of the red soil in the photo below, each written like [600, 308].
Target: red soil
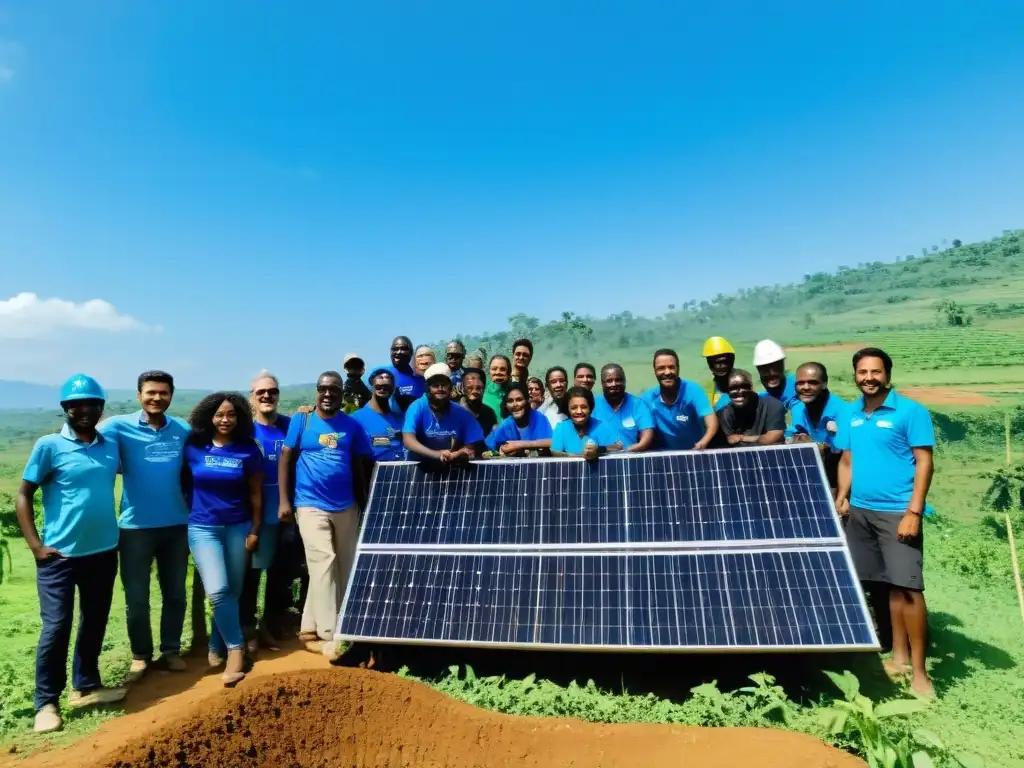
[351, 717]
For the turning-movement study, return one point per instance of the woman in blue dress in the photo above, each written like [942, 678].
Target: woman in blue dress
[224, 470]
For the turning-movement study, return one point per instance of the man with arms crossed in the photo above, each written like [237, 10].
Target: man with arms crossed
[153, 520]
[884, 476]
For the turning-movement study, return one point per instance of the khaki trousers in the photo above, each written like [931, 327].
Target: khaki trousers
[329, 539]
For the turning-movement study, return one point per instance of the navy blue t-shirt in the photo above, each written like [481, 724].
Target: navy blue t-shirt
[220, 485]
[271, 439]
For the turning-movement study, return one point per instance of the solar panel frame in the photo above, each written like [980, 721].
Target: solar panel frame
[836, 544]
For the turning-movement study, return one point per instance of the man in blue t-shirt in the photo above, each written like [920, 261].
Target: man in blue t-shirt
[382, 425]
[624, 412]
[814, 418]
[409, 385]
[75, 469]
[682, 413]
[436, 428]
[326, 458]
[153, 521]
[884, 476]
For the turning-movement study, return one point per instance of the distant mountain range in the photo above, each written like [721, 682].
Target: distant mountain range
[22, 395]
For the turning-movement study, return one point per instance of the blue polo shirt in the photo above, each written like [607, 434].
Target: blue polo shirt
[385, 433]
[436, 431]
[327, 448]
[538, 428]
[628, 419]
[819, 432]
[567, 440]
[151, 461]
[679, 426]
[77, 481]
[787, 396]
[881, 450]
[220, 485]
[271, 439]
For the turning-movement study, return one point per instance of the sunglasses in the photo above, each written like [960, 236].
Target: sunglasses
[401, 349]
[273, 392]
[329, 389]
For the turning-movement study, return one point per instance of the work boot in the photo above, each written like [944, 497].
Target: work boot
[101, 695]
[234, 669]
[48, 719]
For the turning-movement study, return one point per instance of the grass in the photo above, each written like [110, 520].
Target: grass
[976, 655]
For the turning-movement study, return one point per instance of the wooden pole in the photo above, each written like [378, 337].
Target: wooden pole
[1016, 566]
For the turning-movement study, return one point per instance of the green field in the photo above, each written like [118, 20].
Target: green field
[977, 648]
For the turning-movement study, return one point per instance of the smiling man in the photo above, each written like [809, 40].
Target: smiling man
[153, 520]
[884, 477]
[436, 428]
[770, 361]
[454, 357]
[683, 417]
[383, 425]
[720, 357]
[554, 405]
[409, 385]
[584, 375]
[75, 468]
[522, 356]
[750, 419]
[815, 416]
[331, 478]
[624, 412]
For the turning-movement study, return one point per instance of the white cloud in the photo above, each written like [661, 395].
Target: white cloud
[26, 316]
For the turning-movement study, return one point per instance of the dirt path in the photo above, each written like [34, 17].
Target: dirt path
[320, 716]
[946, 396]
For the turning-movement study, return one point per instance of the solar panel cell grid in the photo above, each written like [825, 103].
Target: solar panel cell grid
[758, 599]
[737, 496]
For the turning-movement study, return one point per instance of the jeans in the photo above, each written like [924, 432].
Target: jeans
[139, 547]
[221, 559]
[56, 580]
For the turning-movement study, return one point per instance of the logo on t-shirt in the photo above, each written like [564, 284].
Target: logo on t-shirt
[856, 422]
[330, 439]
[884, 424]
[628, 422]
[682, 417]
[222, 462]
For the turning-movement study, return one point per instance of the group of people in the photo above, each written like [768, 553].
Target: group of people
[247, 490]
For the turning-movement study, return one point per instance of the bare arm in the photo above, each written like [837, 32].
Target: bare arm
[285, 482]
[772, 437]
[27, 519]
[644, 442]
[255, 482]
[710, 430]
[922, 480]
[843, 483]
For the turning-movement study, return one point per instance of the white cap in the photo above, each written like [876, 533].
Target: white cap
[437, 369]
[767, 352]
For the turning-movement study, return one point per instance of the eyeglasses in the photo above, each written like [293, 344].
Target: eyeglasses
[272, 392]
[328, 389]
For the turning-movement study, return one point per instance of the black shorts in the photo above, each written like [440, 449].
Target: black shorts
[879, 555]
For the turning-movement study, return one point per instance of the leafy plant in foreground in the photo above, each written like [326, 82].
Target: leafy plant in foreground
[856, 715]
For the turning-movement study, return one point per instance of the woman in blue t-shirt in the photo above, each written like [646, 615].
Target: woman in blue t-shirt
[582, 435]
[224, 467]
[525, 432]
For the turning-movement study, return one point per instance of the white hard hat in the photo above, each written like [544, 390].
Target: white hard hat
[767, 352]
[437, 369]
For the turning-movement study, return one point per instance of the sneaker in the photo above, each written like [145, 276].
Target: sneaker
[137, 670]
[101, 695]
[48, 720]
[172, 662]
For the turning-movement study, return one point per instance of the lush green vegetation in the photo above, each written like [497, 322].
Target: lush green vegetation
[977, 653]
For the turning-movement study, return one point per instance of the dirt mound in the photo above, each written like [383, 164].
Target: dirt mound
[349, 717]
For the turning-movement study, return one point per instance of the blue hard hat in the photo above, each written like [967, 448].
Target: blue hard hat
[81, 387]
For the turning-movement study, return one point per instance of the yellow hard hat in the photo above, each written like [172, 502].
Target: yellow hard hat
[716, 345]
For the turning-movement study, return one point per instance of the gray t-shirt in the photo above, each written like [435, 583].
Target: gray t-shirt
[770, 415]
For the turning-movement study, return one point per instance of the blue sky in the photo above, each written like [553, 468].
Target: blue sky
[249, 186]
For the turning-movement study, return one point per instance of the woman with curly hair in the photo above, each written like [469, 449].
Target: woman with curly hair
[224, 470]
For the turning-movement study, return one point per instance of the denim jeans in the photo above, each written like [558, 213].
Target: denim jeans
[56, 580]
[139, 547]
[221, 559]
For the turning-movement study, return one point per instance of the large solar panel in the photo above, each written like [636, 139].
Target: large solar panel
[701, 551]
